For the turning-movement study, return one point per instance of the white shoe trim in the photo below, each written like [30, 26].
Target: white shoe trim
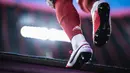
[83, 48]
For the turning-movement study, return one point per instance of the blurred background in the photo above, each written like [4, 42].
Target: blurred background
[29, 27]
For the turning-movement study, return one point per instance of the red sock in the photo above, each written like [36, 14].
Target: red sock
[86, 5]
[68, 17]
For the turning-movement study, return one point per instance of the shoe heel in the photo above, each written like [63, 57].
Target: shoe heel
[82, 59]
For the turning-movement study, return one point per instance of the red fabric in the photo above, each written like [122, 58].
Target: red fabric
[96, 21]
[86, 5]
[67, 17]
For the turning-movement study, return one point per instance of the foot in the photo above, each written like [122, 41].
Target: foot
[101, 23]
[80, 56]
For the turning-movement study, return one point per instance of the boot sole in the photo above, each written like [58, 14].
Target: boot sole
[104, 31]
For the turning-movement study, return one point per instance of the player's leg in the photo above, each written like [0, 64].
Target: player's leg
[69, 20]
[86, 5]
[101, 19]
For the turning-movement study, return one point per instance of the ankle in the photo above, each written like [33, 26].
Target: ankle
[78, 40]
